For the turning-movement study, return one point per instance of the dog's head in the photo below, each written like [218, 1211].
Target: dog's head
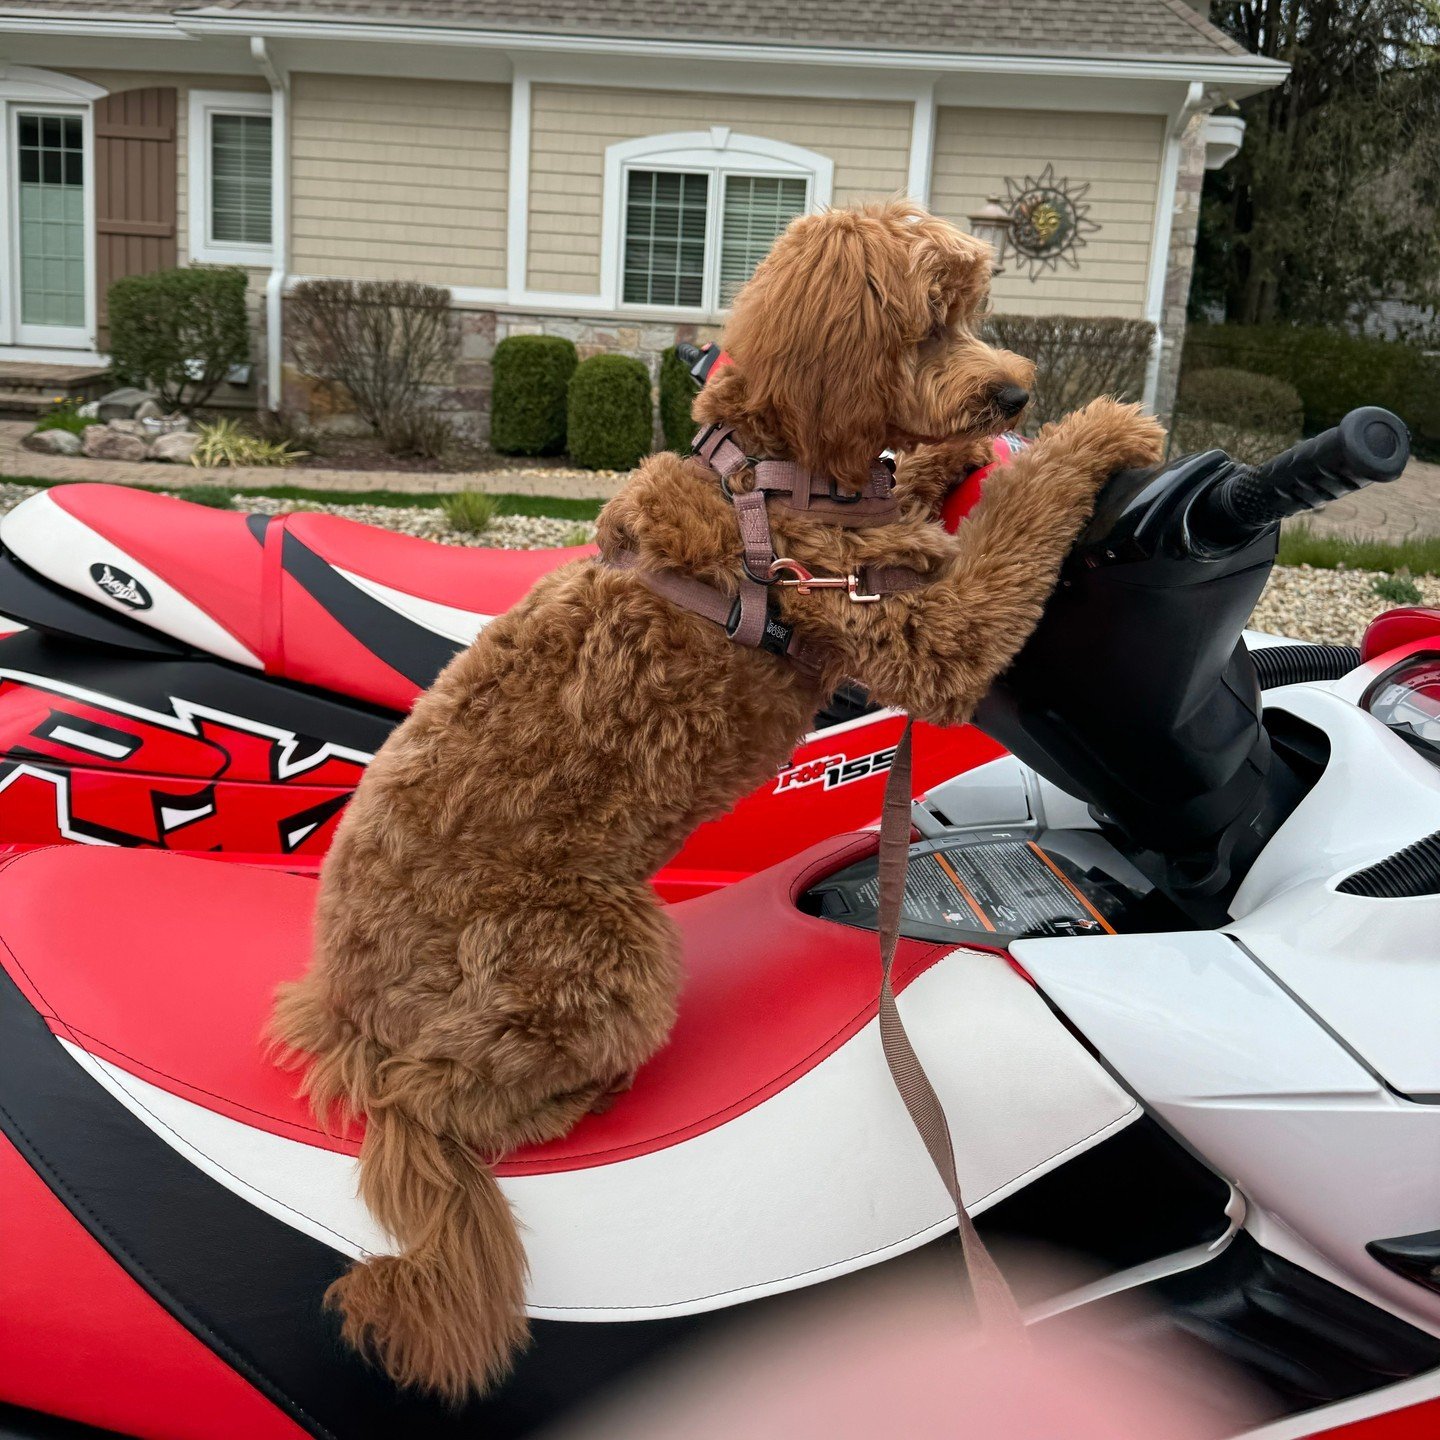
[860, 330]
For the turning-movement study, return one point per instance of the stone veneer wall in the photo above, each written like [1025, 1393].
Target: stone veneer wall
[466, 398]
[1180, 265]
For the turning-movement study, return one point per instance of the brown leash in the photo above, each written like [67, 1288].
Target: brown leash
[995, 1303]
[749, 619]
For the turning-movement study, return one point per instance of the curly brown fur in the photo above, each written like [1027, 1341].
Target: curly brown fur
[490, 962]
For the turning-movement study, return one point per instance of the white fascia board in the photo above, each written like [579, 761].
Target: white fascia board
[1215, 72]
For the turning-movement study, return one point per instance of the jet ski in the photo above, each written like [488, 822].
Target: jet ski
[1172, 964]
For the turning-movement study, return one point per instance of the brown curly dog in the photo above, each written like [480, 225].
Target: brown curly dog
[490, 962]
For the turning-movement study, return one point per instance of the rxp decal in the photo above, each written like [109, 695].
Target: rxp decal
[120, 586]
[834, 770]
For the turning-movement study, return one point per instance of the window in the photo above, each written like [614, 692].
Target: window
[690, 216]
[230, 177]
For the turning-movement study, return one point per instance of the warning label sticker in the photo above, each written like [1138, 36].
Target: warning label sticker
[1009, 888]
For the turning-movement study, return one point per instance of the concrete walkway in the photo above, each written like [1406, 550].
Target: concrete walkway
[16, 461]
[1405, 509]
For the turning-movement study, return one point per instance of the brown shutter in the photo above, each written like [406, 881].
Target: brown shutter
[134, 188]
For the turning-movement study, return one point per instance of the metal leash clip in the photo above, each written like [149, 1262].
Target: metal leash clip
[803, 582]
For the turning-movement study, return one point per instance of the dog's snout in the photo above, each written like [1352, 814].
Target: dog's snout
[1011, 399]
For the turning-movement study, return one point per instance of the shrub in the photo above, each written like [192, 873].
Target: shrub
[470, 512]
[382, 343]
[179, 332]
[527, 397]
[215, 497]
[225, 442]
[1333, 371]
[610, 422]
[1250, 416]
[1076, 358]
[65, 415]
[1397, 589]
[677, 395]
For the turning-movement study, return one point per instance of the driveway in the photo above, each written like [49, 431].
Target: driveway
[1406, 508]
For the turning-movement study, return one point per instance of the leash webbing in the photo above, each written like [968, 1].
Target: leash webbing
[995, 1303]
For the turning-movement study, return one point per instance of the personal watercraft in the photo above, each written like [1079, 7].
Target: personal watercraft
[183, 678]
[1172, 964]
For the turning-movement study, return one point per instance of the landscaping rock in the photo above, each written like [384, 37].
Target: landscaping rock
[176, 447]
[149, 409]
[90, 410]
[103, 443]
[53, 442]
[123, 403]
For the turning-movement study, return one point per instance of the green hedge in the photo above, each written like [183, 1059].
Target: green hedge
[1333, 371]
[1249, 416]
[611, 422]
[179, 332]
[677, 395]
[527, 398]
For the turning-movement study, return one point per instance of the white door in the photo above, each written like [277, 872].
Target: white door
[49, 302]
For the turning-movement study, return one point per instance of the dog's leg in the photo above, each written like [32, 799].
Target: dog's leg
[925, 475]
[962, 630]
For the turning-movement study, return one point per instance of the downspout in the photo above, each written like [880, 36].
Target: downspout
[279, 79]
[1195, 101]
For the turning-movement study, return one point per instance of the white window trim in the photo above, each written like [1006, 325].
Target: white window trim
[203, 105]
[717, 152]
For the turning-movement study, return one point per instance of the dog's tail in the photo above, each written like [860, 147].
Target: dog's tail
[447, 1313]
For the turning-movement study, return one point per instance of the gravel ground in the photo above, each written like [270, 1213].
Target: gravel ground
[1300, 602]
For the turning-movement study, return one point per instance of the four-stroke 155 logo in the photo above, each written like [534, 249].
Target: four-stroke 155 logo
[833, 770]
[119, 585]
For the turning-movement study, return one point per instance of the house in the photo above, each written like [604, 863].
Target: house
[608, 172]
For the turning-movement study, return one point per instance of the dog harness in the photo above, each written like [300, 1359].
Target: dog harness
[749, 618]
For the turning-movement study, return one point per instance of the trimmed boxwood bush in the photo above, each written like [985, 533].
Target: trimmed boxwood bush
[531, 377]
[1333, 370]
[1250, 416]
[179, 332]
[677, 395]
[611, 422]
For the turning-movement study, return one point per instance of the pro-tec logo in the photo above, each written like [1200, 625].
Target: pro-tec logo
[120, 586]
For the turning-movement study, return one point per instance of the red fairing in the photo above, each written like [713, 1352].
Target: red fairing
[80, 1338]
[1397, 628]
[1414, 1422]
[769, 991]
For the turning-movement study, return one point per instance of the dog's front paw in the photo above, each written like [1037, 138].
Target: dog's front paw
[1115, 436]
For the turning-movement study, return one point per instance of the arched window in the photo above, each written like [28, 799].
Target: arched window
[689, 215]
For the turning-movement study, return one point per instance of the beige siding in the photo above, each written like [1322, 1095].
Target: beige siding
[117, 80]
[399, 179]
[1120, 157]
[571, 126]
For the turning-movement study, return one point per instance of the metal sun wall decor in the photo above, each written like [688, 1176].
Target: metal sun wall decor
[1049, 220]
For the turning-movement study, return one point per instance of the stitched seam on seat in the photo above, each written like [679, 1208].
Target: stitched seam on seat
[235, 1357]
[864, 1254]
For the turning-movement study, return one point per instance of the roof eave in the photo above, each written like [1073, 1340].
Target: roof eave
[1222, 72]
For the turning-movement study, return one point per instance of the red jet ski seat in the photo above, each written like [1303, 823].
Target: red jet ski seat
[308, 597]
[763, 1148]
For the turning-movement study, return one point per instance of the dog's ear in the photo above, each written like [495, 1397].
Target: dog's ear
[818, 337]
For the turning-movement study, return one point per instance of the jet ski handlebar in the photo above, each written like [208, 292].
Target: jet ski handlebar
[1369, 445]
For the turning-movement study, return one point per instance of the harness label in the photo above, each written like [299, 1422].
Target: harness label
[121, 586]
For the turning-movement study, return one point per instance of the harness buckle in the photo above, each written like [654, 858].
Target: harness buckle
[803, 582]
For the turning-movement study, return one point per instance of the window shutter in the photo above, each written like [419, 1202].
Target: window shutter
[134, 189]
[240, 179]
[757, 208]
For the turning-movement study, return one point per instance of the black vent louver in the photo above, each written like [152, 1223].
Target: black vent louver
[1277, 665]
[1415, 870]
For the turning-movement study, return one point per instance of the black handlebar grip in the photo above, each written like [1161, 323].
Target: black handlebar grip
[1368, 445]
[689, 354]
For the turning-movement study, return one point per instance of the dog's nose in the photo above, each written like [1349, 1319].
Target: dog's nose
[1011, 399]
